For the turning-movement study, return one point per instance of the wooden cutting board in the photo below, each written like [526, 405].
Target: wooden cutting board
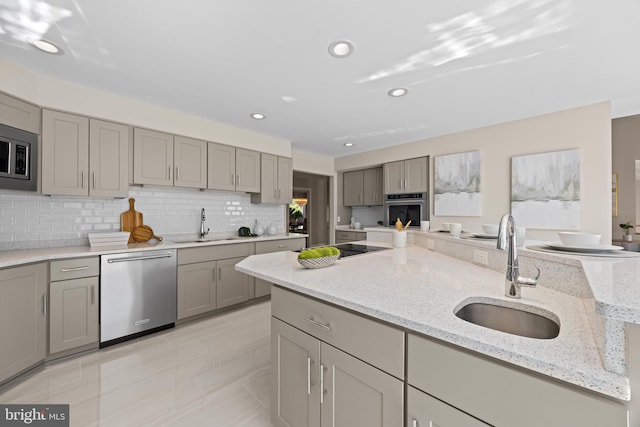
[130, 220]
[144, 233]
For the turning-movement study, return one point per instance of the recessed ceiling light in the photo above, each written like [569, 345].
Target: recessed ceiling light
[398, 91]
[45, 46]
[258, 116]
[348, 144]
[341, 48]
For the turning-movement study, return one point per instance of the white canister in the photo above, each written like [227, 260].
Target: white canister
[271, 230]
[258, 230]
[399, 239]
[357, 225]
[424, 225]
[455, 228]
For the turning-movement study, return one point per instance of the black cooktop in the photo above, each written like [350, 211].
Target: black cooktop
[349, 249]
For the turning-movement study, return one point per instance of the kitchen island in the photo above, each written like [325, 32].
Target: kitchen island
[417, 291]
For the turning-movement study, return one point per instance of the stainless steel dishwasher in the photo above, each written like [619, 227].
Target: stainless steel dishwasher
[137, 294]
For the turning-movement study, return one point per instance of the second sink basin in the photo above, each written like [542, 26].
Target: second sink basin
[515, 320]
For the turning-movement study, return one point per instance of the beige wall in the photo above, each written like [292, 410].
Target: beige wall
[312, 163]
[59, 95]
[587, 128]
[625, 151]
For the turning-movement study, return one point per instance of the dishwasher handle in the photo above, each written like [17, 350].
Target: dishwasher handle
[140, 258]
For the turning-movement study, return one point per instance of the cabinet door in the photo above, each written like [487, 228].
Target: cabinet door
[221, 168]
[23, 318]
[353, 186]
[393, 177]
[73, 314]
[152, 157]
[65, 154]
[425, 411]
[415, 174]
[233, 286]
[269, 178]
[196, 288]
[357, 394]
[372, 187]
[247, 171]
[285, 180]
[190, 160]
[108, 159]
[295, 388]
[19, 114]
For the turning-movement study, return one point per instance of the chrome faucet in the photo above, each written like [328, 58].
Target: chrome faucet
[202, 219]
[507, 241]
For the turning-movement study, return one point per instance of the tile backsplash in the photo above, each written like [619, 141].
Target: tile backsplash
[30, 220]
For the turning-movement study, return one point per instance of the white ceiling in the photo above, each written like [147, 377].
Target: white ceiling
[466, 64]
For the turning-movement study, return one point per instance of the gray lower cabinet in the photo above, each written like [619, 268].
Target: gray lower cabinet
[23, 318]
[262, 287]
[73, 304]
[350, 236]
[322, 376]
[315, 384]
[425, 411]
[208, 280]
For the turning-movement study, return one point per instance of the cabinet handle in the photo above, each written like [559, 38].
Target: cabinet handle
[93, 295]
[283, 246]
[233, 179]
[308, 375]
[279, 193]
[66, 270]
[169, 173]
[315, 322]
[322, 368]
[45, 301]
[177, 174]
[82, 179]
[238, 179]
[93, 178]
[275, 193]
[219, 273]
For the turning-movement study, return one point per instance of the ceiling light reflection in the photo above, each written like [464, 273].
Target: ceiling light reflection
[23, 20]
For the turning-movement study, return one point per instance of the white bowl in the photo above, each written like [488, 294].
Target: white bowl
[570, 238]
[490, 229]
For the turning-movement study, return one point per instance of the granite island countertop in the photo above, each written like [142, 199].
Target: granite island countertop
[419, 290]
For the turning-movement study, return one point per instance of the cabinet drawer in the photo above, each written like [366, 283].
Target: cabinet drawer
[374, 342]
[74, 268]
[212, 253]
[346, 235]
[280, 245]
[493, 391]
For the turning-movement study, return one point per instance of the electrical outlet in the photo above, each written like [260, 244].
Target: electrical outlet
[338, 220]
[431, 244]
[233, 221]
[480, 257]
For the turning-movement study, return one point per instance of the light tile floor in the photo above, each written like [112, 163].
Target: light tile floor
[213, 372]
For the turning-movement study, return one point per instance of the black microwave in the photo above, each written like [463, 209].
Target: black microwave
[18, 159]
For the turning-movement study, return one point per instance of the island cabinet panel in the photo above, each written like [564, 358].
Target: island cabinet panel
[378, 344]
[425, 411]
[503, 395]
[23, 318]
[316, 384]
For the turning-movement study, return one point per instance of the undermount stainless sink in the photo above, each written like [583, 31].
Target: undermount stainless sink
[511, 320]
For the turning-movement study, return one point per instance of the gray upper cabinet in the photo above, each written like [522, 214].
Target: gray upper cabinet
[406, 176]
[19, 114]
[276, 180]
[152, 157]
[23, 318]
[233, 169]
[108, 159]
[190, 158]
[83, 157]
[362, 187]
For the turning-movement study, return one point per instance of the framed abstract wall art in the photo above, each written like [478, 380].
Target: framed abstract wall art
[457, 184]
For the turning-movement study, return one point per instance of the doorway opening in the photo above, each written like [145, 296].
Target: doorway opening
[309, 211]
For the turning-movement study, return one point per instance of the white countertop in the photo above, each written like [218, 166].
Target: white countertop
[419, 290]
[11, 258]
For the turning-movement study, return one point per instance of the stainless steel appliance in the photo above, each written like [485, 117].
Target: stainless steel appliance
[18, 159]
[137, 294]
[409, 206]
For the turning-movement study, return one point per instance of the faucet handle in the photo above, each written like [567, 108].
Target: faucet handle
[526, 281]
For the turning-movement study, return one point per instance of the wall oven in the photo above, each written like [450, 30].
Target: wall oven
[410, 206]
[18, 159]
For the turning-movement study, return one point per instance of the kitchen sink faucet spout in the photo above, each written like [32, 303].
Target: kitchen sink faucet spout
[507, 241]
[202, 219]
